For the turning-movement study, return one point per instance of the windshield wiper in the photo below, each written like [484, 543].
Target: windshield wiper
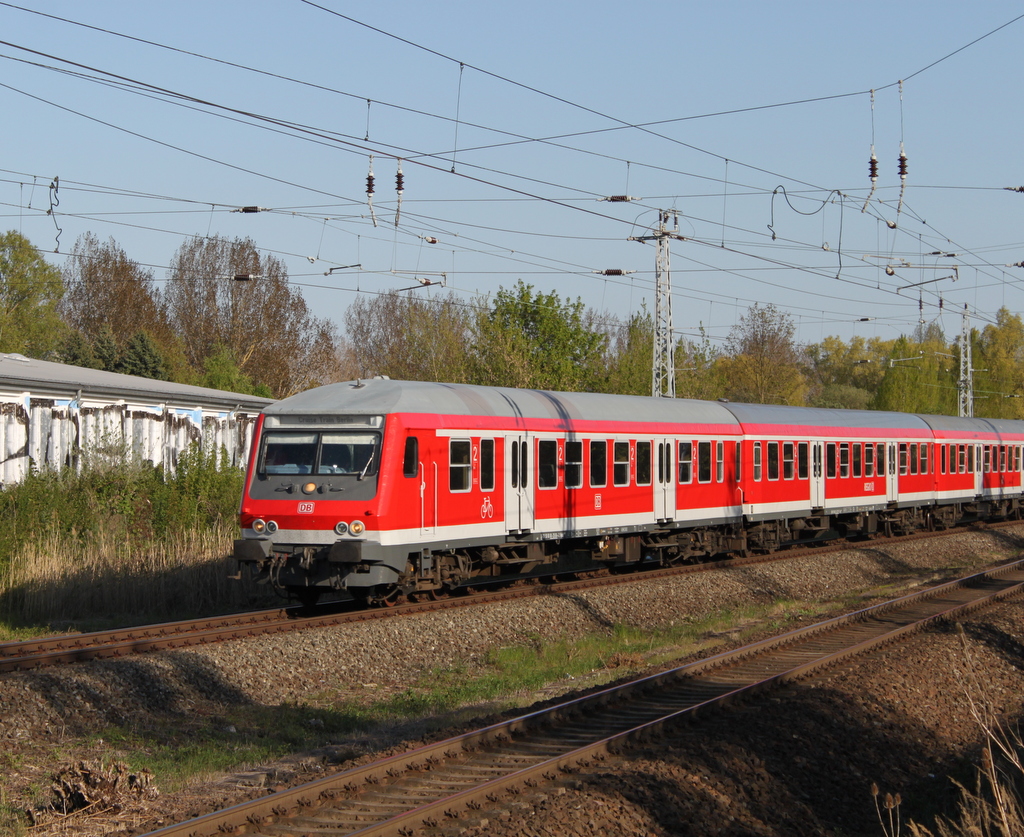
[366, 467]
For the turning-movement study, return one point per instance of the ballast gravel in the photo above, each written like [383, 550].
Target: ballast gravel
[794, 763]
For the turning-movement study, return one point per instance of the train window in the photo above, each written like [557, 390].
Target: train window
[573, 464]
[869, 460]
[598, 464]
[703, 461]
[904, 459]
[924, 458]
[547, 463]
[942, 459]
[802, 462]
[348, 453]
[962, 459]
[487, 464]
[788, 472]
[1002, 457]
[620, 466]
[913, 458]
[757, 461]
[773, 460]
[987, 453]
[880, 467]
[857, 450]
[459, 464]
[289, 453]
[411, 459]
[830, 460]
[972, 468]
[685, 462]
[844, 459]
[720, 461]
[643, 463]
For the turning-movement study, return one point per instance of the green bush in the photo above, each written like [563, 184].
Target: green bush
[134, 498]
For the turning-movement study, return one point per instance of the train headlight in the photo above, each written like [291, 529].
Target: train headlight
[259, 526]
[271, 527]
[356, 527]
[309, 488]
[340, 528]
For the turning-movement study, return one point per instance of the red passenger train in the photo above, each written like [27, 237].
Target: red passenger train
[387, 488]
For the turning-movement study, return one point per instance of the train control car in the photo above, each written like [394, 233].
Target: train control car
[384, 489]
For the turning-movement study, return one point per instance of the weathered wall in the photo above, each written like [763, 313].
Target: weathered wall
[45, 432]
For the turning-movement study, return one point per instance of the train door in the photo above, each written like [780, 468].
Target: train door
[428, 497]
[892, 471]
[817, 475]
[665, 488]
[519, 509]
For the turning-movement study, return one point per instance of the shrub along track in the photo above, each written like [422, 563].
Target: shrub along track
[467, 778]
[121, 642]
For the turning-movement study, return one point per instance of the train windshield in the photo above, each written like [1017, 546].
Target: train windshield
[353, 453]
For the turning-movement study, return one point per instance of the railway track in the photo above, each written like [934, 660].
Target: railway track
[459, 779]
[58, 650]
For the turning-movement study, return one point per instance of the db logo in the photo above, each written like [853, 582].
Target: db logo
[306, 508]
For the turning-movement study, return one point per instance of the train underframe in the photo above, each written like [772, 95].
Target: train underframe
[307, 573]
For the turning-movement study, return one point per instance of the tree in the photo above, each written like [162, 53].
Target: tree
[998, 355]
[919, 375]
[845, 376]
[108, 292]
[537, 341]
[30, 291]
[142, 357]
[699, 369]
[629, 358]
[263, 323]
[762, 362]
[77, 350]
[220, 372]
[409, 338]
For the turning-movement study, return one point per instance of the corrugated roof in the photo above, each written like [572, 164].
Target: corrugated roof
[47, 379]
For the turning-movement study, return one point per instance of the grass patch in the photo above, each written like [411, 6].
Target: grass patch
[120, 543]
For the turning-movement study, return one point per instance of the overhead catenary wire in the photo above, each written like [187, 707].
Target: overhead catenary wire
[725, 181]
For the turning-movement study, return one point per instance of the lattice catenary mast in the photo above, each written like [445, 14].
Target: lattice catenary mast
[663, 371]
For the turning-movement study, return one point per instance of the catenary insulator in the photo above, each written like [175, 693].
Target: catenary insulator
[873, 168]
[369, 184]
[903, 166]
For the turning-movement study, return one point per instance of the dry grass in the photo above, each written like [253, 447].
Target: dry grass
[993, 807]
[59, 583]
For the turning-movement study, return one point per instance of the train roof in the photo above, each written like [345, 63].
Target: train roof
[379, 396]
[973, 428]
[778, 417]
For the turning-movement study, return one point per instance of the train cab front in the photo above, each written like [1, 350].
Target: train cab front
[309, 504]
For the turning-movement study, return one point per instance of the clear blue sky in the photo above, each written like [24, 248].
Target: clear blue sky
[705, 109]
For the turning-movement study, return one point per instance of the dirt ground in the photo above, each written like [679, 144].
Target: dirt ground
[801, 761]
